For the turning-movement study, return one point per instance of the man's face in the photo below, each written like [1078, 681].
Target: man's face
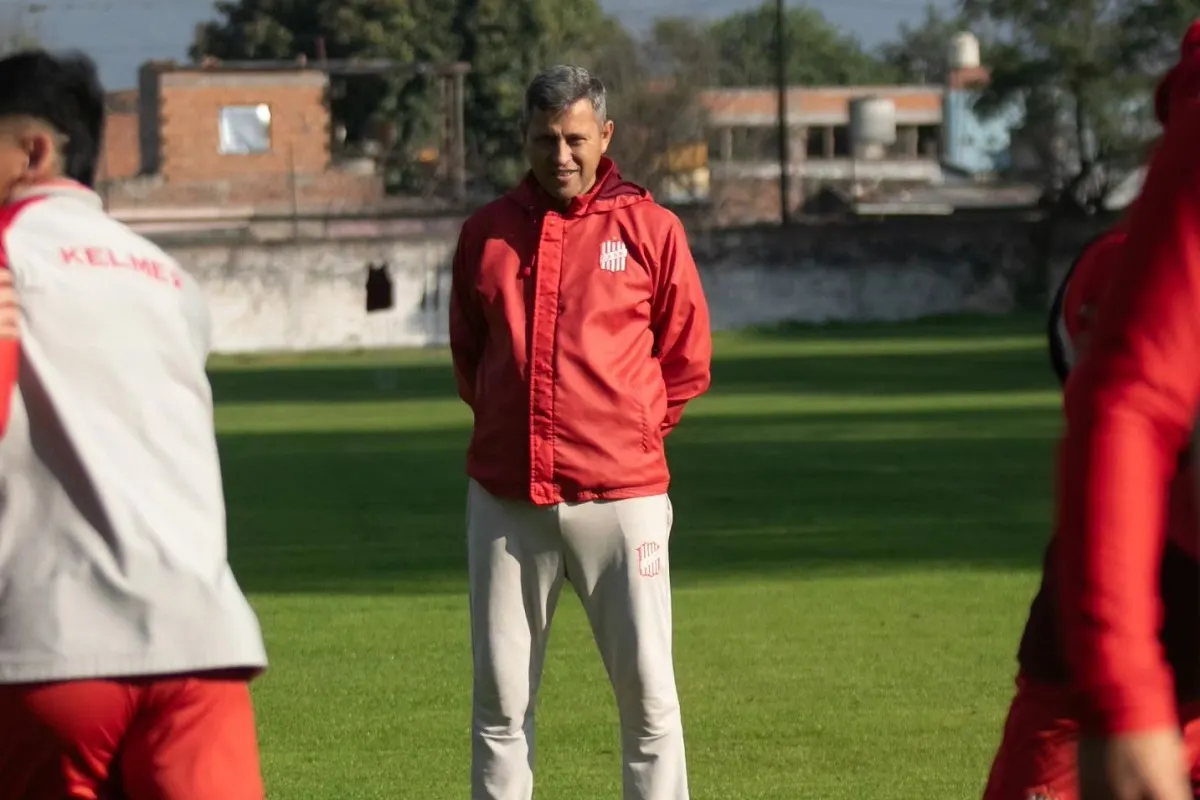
[564, 149]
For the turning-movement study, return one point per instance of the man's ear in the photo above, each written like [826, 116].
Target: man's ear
[606, 134]
[39, 146]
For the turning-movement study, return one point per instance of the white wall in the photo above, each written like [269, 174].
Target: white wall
[311, 296]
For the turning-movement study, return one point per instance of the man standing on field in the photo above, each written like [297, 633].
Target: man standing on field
[579, 331]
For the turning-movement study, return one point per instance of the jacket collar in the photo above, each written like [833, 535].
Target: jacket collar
[58, 188]
[609, 191]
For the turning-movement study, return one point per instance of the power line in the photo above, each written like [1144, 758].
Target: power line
[51, 8]
[722, 7]
[634, 7]
[781, 86]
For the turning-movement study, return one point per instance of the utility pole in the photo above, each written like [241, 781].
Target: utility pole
[781, 60]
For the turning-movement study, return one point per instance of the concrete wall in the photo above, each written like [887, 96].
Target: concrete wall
[297, 297]
[311, 295]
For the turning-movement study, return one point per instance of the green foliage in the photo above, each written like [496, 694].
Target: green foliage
[918, 53]
[686, 47]
[818, 53]
[1083, 70]
[17, 33]
[1152, 31]
[403, 30]
[507, 42]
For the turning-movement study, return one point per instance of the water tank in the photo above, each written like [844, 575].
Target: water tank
[872, 126]
[964, 52]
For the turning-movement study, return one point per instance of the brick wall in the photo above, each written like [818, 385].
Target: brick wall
[328, 191]
[120, 155]
[190, 110]
[177, 134]
[120, 149]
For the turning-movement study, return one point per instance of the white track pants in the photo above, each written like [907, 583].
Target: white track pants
[614, 553]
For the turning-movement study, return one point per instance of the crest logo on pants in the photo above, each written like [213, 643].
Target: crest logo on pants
[649, 559]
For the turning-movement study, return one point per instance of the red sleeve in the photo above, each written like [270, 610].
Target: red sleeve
[10, 359]
[682, 332]
[467, 324]
[1086, 286]
[1130, 409]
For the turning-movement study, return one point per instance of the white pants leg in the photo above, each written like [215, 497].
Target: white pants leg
[515, 570]
[616, 553]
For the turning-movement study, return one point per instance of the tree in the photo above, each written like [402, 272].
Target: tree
[1066, 62]
[17, 32]
[818, 53]
[506, 42]
[1083, 71]
[1153, 29]
[682, 46]
[402, 30]
[654, 99]
[918, 53]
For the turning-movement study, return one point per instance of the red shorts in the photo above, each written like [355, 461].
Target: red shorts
[1036, 759]
[171, 738]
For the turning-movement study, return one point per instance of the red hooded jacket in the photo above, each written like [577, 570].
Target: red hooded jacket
[578, 336]
[1041, 654]
[1131, 406]
[1075, 302]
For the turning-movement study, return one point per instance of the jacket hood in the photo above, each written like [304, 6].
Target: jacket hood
[1182, 79]
[610, 193]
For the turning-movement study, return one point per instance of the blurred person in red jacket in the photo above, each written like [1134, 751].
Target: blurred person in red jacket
[579, 332]
[1131, 406]
[1037, 756]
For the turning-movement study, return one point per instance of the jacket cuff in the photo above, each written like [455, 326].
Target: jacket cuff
[1126, 710]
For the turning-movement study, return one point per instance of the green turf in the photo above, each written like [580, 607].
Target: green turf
[859, 518]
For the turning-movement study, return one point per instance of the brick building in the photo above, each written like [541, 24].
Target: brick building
[744, 149]
[935, 138]
[208, 135]
[121, 156]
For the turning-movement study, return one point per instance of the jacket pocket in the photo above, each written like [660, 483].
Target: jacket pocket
[652, 421]
[644, 414]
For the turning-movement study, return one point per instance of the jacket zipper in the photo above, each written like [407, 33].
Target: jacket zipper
[527, 269]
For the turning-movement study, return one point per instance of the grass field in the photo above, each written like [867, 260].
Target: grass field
[859, 518]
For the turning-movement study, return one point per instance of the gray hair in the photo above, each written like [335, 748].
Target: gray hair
[560, 87]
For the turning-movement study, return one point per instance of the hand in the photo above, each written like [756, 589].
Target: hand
[1140, 766]
[10, 307]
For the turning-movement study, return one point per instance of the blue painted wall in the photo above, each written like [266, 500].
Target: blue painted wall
[972, 143]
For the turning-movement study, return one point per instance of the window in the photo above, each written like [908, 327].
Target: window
[841, 142]
[245, 130]
[929, 141]
[817, 146]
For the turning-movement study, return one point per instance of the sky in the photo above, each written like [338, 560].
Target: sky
[122, 34]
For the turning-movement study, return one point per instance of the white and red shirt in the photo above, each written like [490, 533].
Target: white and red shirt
[112, 515]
